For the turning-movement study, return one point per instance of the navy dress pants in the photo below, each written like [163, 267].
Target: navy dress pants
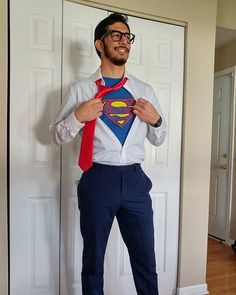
[105, 192]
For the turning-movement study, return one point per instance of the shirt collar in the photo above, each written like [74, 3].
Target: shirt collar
[98, 75]
[129, 85]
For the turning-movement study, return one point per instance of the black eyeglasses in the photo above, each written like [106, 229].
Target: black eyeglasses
[116, 36]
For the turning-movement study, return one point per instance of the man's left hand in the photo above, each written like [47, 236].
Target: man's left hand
[146, 111]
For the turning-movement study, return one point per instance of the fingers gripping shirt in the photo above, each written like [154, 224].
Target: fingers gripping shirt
[117, 110]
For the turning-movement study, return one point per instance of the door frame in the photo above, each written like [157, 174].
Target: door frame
[131, 12]
[4, 92]
[230, 71]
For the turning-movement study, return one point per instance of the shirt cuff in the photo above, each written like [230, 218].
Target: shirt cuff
[73, 124]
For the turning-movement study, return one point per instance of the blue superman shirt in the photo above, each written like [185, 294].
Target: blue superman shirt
[117, 110]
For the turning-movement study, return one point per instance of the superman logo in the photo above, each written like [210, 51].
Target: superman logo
[119, 110]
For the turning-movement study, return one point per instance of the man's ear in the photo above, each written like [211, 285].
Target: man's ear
[99, 45]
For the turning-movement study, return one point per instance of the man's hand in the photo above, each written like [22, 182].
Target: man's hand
[89, 110]
[146, 111]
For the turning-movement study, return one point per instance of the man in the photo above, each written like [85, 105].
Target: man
[113, 183]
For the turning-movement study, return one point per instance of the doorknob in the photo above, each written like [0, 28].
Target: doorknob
[223, 167]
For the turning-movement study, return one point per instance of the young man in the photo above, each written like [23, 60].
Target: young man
[113, 123]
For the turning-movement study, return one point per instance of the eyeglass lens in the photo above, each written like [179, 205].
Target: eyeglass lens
[117, 35]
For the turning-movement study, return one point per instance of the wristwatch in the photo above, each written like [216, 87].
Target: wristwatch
[158, 123]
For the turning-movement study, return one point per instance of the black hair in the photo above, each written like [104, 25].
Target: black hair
[102, 27]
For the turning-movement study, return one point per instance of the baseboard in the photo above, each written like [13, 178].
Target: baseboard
[193, 290]
[229, 242]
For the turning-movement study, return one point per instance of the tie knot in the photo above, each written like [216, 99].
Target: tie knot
[103, 90]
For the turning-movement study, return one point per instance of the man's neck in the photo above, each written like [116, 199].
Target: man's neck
[112, 71]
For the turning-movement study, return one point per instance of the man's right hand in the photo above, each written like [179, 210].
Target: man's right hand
[89, 110]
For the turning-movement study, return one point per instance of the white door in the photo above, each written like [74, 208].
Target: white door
[39, 218]
[35, 94]
[79, 61]
[157, 58]
[219, 188]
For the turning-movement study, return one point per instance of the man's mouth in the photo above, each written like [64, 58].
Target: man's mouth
[122, 49]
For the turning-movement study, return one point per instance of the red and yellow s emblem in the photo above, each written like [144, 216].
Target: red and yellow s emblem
[119, 111]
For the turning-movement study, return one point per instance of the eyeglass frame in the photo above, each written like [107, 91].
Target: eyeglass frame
[121, 35]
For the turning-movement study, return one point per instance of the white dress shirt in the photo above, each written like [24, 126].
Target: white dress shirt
[107, 147]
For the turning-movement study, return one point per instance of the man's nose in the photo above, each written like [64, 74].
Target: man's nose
[124, 39]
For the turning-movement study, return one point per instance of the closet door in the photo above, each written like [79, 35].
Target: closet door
[157, 58]
[35, 97]
[79, 61]
[44, 217]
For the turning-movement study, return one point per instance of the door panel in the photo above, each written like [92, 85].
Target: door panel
[34, 160]
[157, 58]
[162, 67]
[79, 61]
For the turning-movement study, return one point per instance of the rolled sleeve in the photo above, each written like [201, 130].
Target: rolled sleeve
[157, 135]
[66, 130]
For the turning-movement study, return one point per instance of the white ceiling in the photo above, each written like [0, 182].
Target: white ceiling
[224, 36]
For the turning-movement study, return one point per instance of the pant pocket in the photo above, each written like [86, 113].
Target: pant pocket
[148, 182]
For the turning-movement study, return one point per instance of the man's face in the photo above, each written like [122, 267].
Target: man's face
[117, 51]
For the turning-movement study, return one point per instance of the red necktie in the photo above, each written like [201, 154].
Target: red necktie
[86, 148]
